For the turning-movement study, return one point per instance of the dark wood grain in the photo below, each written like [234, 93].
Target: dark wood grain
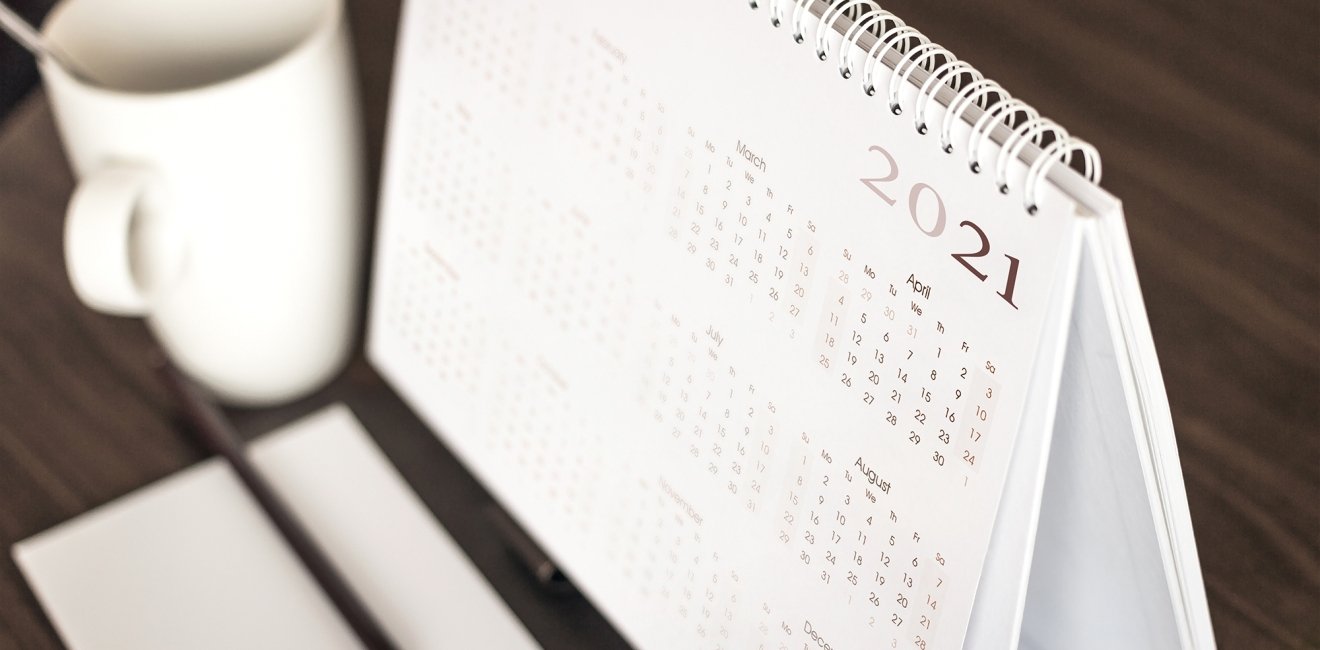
[1206, 115]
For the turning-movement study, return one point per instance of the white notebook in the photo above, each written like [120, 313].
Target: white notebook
[192, 562]
[777, 343]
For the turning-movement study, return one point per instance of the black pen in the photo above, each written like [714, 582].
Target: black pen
[215, 433]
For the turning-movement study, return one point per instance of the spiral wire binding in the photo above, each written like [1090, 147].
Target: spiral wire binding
[898, 38]
[855, 32]
[801, 9]
[1006, 110]
[953, 69]
[827, 23]
[916, 58]
[971, 88]
[977, 93]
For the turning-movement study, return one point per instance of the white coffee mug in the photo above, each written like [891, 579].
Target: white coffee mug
[219, 153]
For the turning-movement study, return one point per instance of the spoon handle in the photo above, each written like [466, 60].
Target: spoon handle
[22, 31]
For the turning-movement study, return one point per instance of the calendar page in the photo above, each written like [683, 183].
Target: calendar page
[744, 350]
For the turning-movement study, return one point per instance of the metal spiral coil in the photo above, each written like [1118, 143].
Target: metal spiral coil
[856, 19]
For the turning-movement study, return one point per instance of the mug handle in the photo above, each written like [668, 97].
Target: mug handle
[120, 246]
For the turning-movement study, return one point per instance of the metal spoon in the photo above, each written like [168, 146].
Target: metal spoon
[28, 36]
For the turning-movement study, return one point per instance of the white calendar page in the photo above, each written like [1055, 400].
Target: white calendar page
[743, 350]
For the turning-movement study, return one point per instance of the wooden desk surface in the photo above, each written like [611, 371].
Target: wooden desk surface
[1206, 117]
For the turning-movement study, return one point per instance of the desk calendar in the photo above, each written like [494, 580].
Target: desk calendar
[777, 344]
